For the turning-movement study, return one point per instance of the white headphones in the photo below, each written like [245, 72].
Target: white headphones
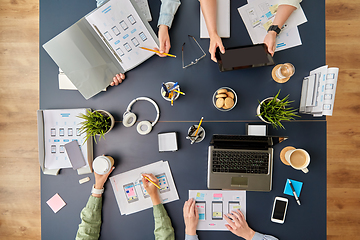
[143, 127]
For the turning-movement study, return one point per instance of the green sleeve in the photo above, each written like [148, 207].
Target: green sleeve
[89, 228]
[163, 228]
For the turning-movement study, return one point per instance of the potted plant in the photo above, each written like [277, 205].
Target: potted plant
[98, 122]
[273, 110]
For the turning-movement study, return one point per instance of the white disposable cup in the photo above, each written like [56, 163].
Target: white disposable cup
[102, 164]
[307, 159]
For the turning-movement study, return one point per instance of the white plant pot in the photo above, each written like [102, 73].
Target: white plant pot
[112, 120]
[258, 109]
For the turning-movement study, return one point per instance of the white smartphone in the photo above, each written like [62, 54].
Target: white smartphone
[279, 210]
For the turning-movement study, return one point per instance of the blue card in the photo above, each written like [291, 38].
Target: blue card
[297, 186]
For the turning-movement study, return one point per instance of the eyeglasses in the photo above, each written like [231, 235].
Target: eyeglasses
[196, 60]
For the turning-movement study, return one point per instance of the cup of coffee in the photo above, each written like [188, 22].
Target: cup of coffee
[298, 159]
[103, 164]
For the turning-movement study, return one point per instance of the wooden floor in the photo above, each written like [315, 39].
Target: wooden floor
[19, 86]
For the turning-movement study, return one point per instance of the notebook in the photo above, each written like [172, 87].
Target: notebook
[241, 162]
[222, 20]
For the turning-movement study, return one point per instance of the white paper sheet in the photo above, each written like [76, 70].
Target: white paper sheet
[258, 15]
[61, 127]
[222, 20]
[121, 26]
[131, 196]
[211, 217]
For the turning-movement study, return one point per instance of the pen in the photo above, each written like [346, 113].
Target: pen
[151, 50]
[199, 126]
[109, 46]
[174, 86]
[293, 190]
[179, 92]
[151, 182]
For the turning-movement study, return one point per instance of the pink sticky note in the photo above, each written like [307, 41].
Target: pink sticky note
[56, 203]
[217, 195]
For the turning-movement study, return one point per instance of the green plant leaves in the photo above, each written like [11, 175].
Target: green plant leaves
[276, 110]
[94, 124]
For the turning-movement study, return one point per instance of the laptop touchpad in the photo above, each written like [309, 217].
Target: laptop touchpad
[239, 181]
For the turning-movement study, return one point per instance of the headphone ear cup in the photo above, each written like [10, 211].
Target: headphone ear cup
[144, 127]
[129, 119]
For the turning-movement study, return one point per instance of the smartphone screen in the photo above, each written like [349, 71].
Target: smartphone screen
[279, 210]
[130, 193]
[53, 132]
[201, 207]
[61, 132]
[163, 183]
[70, 131]
[217, 210]
[233, 206]
[145, 193]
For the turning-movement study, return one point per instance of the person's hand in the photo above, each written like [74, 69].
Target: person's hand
[100, 181]
[164, 40]
[238, 225]
[191, 217]
[151, 189]
[270, 41]
[215, 42]
[117, 79]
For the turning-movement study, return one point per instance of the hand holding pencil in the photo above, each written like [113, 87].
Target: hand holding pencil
[151, 185]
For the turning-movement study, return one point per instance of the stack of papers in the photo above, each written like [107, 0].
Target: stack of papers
[258, 15]
[130, 193]
[318, 92]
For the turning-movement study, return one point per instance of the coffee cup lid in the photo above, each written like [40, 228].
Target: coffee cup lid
[101, 165]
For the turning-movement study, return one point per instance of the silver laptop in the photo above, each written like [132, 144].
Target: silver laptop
[241, 162]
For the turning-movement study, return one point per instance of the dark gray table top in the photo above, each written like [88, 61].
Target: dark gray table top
[131, 150]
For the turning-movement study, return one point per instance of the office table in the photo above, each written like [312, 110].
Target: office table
[189, 164]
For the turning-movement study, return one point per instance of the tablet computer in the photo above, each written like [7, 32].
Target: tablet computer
[244, 57]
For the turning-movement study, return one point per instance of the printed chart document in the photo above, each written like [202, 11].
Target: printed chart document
[130, 193]
[212, 204]
[60, 127]
[258, 15]
[222, 20]
[102, 44]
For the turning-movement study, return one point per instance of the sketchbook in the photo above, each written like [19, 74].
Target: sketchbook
[130, 193]
[103, 43]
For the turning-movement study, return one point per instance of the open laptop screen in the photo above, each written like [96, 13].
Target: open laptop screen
[245, 142]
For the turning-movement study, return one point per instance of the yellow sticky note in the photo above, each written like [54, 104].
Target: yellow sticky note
[273, 9]
[267, 25]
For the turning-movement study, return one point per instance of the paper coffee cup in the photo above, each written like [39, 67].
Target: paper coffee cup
[103, 164]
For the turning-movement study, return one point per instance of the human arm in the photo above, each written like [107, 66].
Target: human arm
[191, 219]
[239, 227]
[89, 228]
[163, 227]
[285, 9]
[167, 12]
[208, 8]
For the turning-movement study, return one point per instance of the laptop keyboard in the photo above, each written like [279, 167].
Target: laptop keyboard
[240, 162]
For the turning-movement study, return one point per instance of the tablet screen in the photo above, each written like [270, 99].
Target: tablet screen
[244, 57]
